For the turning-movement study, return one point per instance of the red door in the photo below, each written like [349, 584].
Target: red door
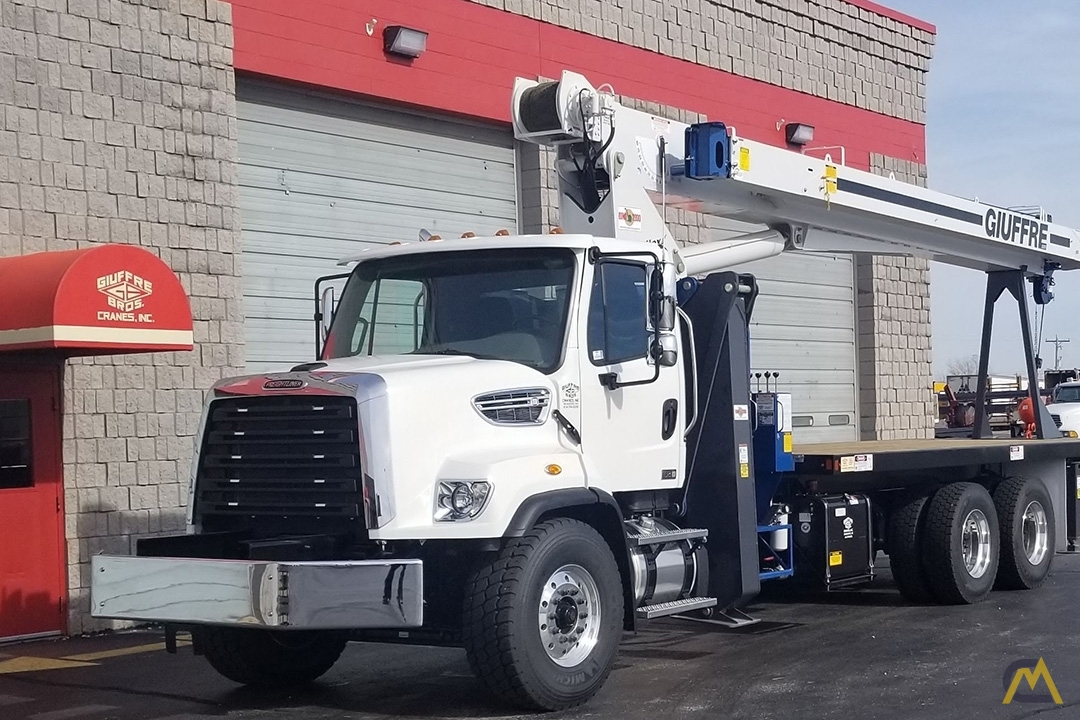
[31, 489]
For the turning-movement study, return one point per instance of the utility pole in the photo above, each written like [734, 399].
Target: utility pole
[1057, 343]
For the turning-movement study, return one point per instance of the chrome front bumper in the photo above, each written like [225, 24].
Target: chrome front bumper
[301, 595]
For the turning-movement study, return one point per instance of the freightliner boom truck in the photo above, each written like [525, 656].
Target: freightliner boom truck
[526, 445]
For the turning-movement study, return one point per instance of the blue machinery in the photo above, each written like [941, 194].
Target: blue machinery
[772, 458]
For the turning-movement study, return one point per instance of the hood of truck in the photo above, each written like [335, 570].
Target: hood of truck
[1067, 413]
[368, 376]
[422, 421]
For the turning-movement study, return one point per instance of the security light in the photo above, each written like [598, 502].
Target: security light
[404, 41]
[799, 133]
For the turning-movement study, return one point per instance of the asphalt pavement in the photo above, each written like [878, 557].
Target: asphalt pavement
[845, 656]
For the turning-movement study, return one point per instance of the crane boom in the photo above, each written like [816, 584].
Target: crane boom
[620, 170]
[616, 165]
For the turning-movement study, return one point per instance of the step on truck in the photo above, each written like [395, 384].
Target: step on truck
[525, 446]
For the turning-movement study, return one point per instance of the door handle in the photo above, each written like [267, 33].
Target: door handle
[671, 415]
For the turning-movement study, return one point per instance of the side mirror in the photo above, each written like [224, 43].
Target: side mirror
[661, 305]
[326, 311]
[666, 350]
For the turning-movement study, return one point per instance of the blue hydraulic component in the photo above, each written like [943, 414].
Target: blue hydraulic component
[775, 552]
[772, 458]
[772, 446]
[708, 151]
[685, 290]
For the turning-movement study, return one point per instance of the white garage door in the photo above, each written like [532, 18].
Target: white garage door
[803, 327]
[320, 178]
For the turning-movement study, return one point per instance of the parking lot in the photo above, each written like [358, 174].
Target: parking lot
[851, 655]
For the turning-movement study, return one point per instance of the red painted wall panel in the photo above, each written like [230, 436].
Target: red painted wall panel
[474, 52]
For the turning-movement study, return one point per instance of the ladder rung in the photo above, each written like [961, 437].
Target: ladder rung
[676, 606]
[668, 536]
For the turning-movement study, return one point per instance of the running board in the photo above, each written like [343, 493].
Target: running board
[650, 612]
[667, 536]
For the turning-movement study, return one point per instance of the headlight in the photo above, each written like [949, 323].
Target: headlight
[460, 500]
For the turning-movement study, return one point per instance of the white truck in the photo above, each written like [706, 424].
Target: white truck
[524, 445]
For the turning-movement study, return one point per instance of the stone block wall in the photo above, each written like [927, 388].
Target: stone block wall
[118, 124]
[896, 398]
[828, 48]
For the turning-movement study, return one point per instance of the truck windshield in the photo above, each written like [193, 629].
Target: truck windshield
[1067, 394]
[498, 304]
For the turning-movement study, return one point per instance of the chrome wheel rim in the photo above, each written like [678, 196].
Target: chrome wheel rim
[569, 615]
[1035, 531]
[975, 543]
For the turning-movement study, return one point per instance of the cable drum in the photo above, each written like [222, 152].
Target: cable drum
[538, 108]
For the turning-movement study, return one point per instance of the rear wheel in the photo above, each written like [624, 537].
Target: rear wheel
[1026, 516]
[961, 546]
[543, 620]
[271, 659]
[904, 546]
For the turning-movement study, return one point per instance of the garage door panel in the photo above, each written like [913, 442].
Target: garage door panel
[440, 174]
[322, 178]
[789, 333]
[332, 250]
[805, 313]
[319, 189]
[795, 289]
[351, 122]
[305, 216]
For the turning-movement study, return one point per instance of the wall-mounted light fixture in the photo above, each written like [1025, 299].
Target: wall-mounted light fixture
[407, 42]
[798, 133]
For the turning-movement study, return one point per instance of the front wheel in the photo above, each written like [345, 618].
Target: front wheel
[543, 620]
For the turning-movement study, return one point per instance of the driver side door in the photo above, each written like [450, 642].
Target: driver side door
[632, 435]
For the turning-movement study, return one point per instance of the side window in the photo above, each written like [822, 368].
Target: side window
[394, 312]
[618, 326]
[15, 470]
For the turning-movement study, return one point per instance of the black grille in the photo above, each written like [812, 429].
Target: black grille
[288, 456]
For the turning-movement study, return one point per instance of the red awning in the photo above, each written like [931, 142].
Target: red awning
[100, 300]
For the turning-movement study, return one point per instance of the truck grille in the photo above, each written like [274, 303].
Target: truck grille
[291, 456]
[1056, 419]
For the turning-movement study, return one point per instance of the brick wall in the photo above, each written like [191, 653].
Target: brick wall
[896, 399]
[829, 48]
[118, 125]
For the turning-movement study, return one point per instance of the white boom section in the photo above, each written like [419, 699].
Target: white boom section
[644, 163]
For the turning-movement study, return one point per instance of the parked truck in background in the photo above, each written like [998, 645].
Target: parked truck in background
[526, 445]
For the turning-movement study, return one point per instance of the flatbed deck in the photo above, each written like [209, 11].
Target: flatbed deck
[894, 456]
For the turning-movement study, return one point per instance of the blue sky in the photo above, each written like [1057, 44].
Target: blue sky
[1003, 124]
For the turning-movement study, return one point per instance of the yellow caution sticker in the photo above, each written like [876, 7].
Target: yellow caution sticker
[744, 470]
[830, 179]
[744, 159]
[787, 442]
[836, 558]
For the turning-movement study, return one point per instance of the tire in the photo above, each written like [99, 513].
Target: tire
[1026, 518]
[907, 524]
[955, 509]
[502, 628]
[271, 659]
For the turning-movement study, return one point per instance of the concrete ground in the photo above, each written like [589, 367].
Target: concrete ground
[850, 656]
